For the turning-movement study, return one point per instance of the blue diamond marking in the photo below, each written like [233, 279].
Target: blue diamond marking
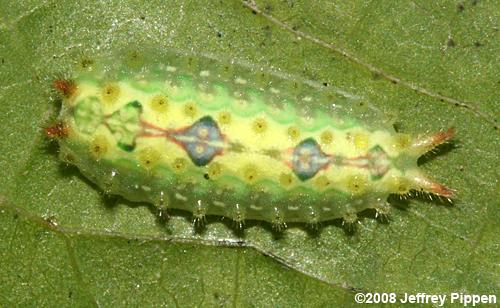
[202, 140]
[308, 159]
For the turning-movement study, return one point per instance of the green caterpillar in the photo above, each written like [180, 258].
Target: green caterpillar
[207, 140]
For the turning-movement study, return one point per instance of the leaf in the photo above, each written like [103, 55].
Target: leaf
[427, 65]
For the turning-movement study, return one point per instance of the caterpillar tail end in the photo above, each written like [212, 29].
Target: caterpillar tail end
[424, 144]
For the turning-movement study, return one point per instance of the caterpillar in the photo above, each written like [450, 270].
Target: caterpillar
[214, 139]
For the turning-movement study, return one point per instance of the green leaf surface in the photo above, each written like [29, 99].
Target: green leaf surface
[427, 65]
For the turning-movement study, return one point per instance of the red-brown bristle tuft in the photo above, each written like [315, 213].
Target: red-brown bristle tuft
[59, 130]
[444, 136]
[66, 87]
[442, 190]
[426, 143]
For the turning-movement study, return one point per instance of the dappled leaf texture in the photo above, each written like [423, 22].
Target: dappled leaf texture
[426, 65]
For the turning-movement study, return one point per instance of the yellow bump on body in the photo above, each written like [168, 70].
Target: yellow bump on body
[179, 164]
[293, 133]
[357, 184]
[361, 141]
[401, 141]
[250, 173]
[159, 103]
[110, 93]
[259, 125]
[286, 179]
[214, 170]
[190, 109]
[224, 117]
[398, 185]
[149, 157]
[99, 146]
[326, 137]
[322, 182]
